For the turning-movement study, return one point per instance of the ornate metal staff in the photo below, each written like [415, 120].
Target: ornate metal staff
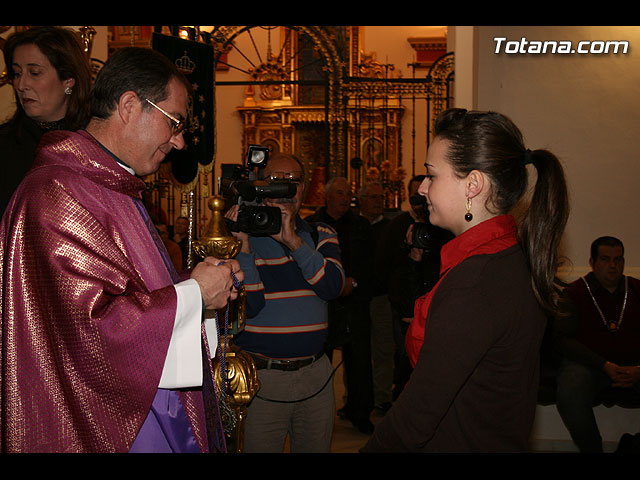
[235, 372]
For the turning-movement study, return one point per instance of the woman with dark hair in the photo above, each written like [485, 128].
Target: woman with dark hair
[51, 79]
[475, 338]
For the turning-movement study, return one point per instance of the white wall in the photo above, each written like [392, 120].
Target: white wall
[584, 108]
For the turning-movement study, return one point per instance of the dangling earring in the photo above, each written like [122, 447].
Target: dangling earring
[468, 216]
[68, 90]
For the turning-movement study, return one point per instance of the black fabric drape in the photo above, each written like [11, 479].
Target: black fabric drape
[195, 60]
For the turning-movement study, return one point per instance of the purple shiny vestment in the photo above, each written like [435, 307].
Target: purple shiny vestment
[87, 307]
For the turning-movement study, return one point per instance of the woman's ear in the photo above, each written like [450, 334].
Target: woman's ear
[476, 183]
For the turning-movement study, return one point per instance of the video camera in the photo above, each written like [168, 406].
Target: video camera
[424, 236]
[239, 184]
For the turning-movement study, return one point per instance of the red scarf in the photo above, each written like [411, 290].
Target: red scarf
[490, 236]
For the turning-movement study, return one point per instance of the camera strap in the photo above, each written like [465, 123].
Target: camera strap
[308, 397]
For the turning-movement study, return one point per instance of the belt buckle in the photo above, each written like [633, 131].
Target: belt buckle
[290, 365]
[286, 365]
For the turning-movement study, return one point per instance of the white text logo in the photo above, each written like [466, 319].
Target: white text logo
[586, 47]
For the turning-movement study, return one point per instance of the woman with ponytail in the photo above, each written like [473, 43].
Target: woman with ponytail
[475, 338]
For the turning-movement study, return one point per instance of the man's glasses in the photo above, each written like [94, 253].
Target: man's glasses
[284, 176]
[177, 126]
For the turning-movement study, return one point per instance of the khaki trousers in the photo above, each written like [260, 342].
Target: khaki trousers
[275, 412]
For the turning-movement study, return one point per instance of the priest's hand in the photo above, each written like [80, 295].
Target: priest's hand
[216, 280]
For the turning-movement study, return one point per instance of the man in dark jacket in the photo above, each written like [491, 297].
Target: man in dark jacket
[349, 321]
[371, 204]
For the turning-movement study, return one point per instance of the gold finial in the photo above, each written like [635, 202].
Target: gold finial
[216, 240]
[86, 37]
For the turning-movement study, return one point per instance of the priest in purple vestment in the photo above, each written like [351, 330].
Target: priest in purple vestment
[102, 340]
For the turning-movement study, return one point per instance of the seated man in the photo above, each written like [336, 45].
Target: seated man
[598, 337]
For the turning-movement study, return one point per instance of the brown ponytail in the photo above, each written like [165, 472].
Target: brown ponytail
[543, 224]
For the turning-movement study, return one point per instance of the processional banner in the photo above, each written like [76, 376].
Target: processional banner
[195, 60]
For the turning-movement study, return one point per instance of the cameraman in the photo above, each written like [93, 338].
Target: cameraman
[289, 278]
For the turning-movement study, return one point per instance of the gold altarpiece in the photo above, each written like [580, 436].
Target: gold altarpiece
[332, 128]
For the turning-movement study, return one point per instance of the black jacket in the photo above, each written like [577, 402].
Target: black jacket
[19, 138]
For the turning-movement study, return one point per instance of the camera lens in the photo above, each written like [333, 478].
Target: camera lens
[261, 219]
[422, 237]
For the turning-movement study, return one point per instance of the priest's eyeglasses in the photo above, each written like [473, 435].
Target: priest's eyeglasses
[177, 126]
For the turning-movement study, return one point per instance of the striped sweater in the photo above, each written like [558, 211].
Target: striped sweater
[287, 292]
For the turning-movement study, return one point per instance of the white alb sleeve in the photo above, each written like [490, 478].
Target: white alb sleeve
[183, 365]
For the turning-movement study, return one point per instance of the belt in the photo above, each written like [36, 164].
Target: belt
[288, 365]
